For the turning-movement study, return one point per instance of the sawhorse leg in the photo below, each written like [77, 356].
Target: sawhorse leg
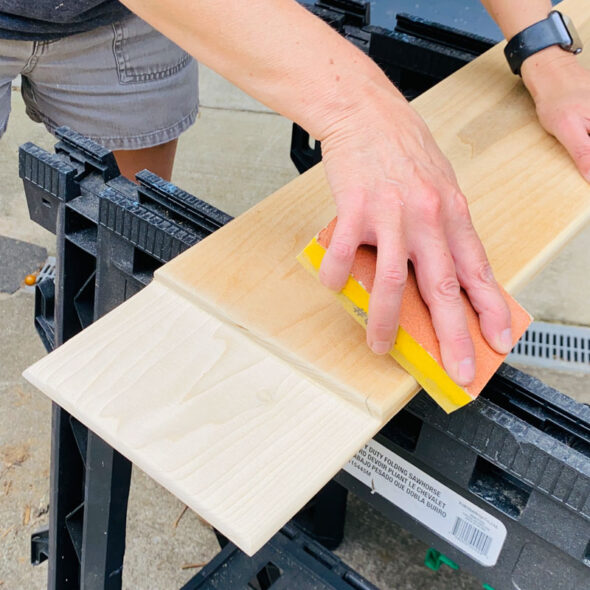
[88, 515]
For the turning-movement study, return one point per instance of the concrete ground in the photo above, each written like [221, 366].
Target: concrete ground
[236, 154]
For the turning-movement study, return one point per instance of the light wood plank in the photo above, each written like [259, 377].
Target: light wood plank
[238, 382]
[234, 432]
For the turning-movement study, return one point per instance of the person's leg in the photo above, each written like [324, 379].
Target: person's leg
[124, 86]
[5, 89]
[14, 56]
[158, 159]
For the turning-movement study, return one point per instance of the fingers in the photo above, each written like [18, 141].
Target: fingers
[440, 289]
[338, 259]
[422, 215]
[477, 278]
[390, 278]
[572, 133]
[447, 254]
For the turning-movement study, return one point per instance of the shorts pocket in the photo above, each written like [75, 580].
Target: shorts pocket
[143, 54]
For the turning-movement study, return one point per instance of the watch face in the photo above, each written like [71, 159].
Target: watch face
[569, 38]
[576, 44]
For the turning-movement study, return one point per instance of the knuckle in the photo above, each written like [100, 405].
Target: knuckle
[459, 206]
[446, 290]
[461, 340]
[383, 328]
[341, 250]
[431, 208]
[484, 275]
[394, 278]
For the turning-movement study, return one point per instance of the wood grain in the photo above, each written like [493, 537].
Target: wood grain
[225, 426]
[238, 382]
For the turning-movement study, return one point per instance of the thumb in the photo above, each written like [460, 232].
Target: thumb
[572, 133]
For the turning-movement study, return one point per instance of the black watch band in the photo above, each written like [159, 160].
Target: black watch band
[556, 29]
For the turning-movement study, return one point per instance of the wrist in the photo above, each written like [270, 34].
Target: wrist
[343, 97]
[546, 68]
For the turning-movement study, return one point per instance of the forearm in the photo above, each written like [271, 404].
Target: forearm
[276, 51]
[512, 17]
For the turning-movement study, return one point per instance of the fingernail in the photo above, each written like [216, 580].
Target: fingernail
[381, 347]
[506, 340]
[466, 370]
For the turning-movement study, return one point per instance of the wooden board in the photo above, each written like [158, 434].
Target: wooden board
[239, 383]
[225, 426]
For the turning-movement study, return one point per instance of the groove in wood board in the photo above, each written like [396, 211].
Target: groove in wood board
[265, 291]
[133, 377]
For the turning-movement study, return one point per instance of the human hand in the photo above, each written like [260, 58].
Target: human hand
[395, 190]
[560, 87]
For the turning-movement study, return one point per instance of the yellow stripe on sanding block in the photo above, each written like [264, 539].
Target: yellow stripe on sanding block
[406, 351]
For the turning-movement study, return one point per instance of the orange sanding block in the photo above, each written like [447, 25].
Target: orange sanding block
[416, 347]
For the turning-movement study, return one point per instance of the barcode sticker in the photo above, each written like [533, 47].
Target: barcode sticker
[457, 520]
[474, 537]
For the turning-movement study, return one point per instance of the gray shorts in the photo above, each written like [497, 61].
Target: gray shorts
[124, 85]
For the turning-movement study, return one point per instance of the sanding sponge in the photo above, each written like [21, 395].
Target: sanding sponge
[416, 346]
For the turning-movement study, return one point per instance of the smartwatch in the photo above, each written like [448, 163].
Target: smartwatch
[556, 29]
